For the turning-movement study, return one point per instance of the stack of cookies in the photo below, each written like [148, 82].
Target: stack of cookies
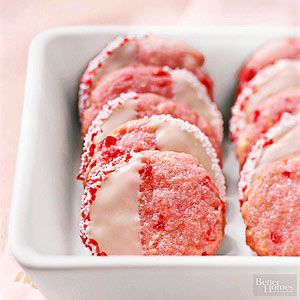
[265, 128]
[151, 162]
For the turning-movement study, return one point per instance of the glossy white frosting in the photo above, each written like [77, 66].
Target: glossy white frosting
[285, 137]
[115, 222]
[283, 75]
[118, 116]
[285, 144]
[189, 91]
[121, 56]
[171, 138]
[180, 136]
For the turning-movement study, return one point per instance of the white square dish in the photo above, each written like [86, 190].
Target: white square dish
[45, 214]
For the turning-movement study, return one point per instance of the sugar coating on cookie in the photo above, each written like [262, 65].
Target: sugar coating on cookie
[134, 78]
[154, 203]
[132, 106]
[280, 141]
[266, 114]
[188, 90]
[179, 85]
[267, 55]
[148, 50]
[272, 210]
[283, 75]
[164, 133]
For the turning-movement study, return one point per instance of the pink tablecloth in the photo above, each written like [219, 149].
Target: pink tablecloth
[22, 20]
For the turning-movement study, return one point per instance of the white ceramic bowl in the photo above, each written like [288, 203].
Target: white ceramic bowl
[46, 200]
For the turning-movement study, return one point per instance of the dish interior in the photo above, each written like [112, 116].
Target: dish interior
[50, 145]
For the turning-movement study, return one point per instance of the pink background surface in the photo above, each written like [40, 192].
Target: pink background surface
[20, 21]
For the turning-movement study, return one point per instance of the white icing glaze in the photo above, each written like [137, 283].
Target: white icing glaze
[180, 136]
[115, 222]
[189, 91]
[122, 56]
[171, 138]
[114, 56]
[286, 141]
[285, 144]
[125, 112]
[281, 76]
[96, 131]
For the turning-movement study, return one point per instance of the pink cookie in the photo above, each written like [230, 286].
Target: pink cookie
[158, 132]
[132, 106]
[152, 203]
[148, 50]
[267, 55]
[280, 141]
[179, 85]
[272, 211]
[274, 79]
[266, 114]
[152, 50]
